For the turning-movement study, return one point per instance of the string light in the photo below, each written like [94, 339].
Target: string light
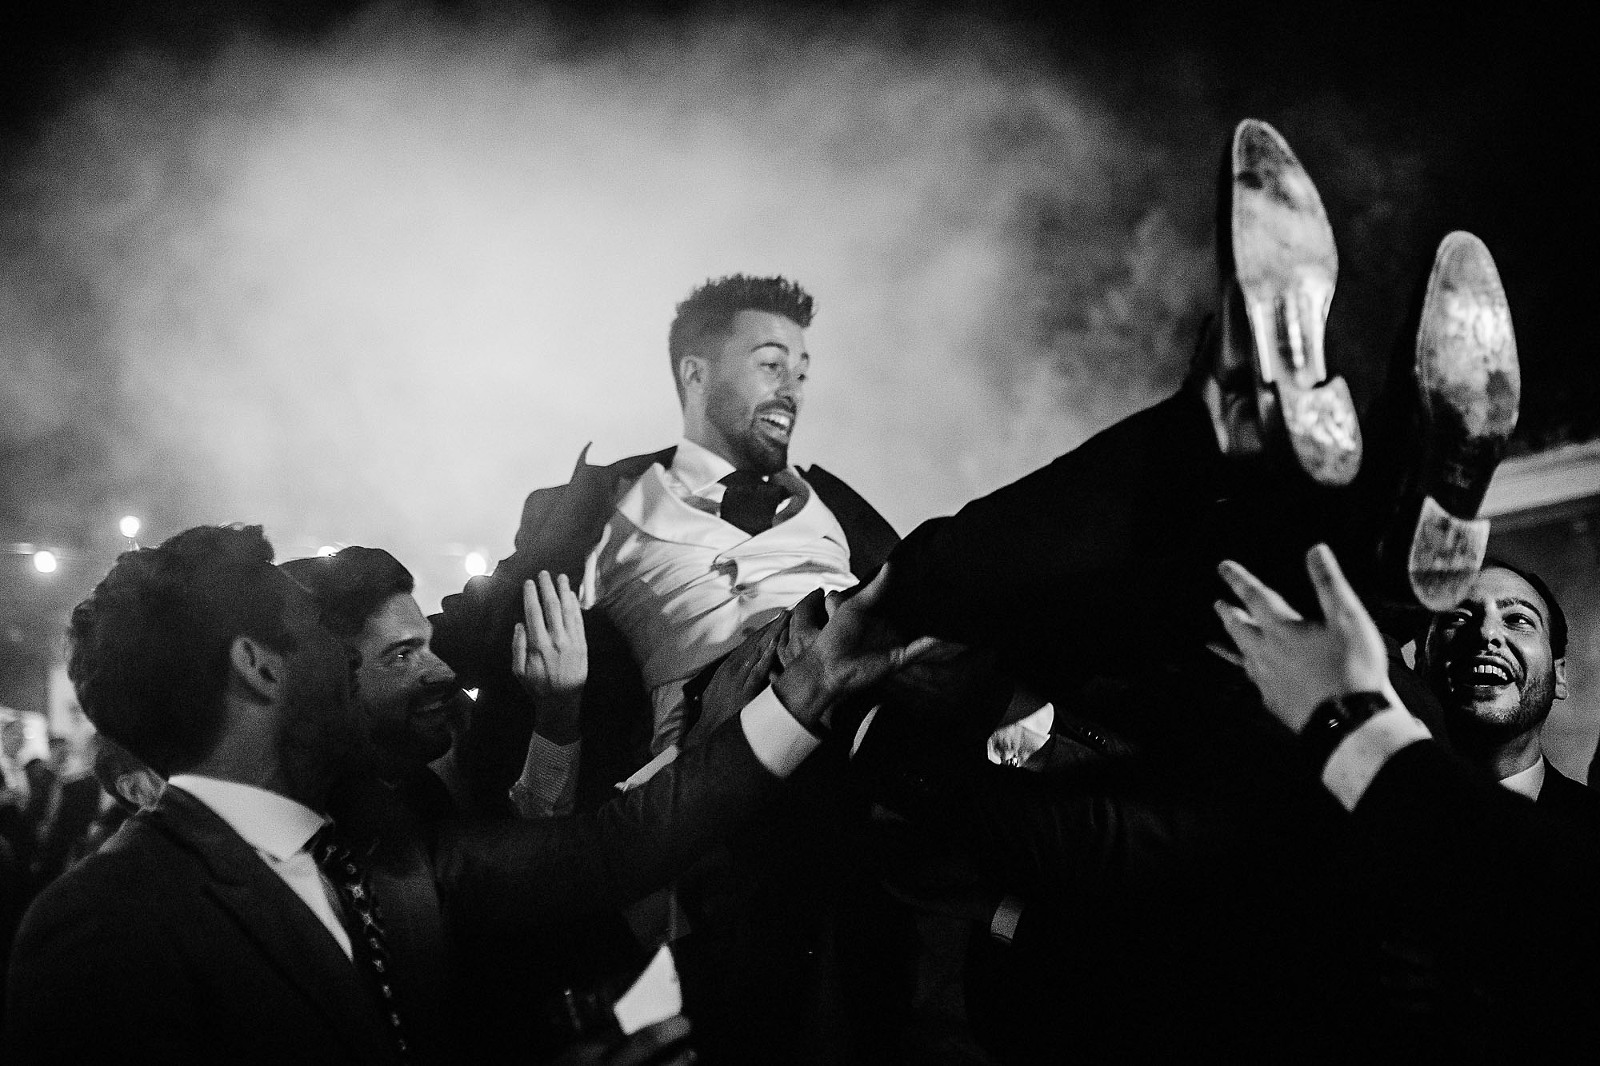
[129, 526]
[44, 561]
[475, 564]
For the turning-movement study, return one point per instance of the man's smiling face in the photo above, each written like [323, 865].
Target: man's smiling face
[753, 388]
[406, 691]
[1490, 661]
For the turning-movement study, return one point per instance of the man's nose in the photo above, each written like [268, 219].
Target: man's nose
[1491, 630]
[437, 671]
[793, 383]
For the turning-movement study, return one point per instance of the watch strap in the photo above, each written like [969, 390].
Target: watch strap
[1334, 719]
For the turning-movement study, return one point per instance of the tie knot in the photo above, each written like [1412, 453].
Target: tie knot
[751, 501]
[744, 479]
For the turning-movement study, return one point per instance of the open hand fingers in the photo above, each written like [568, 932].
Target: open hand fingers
[924, 649]
[519, 650]
[1263, 604]
[533, 615]
[550, 605]
[1242, 629]
[1338, 599]
[1227, 655]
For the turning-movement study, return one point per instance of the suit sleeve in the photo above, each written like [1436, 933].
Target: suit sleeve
[472, 631]
[527, 874]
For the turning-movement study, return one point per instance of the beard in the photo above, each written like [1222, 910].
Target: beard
[758, 453]
[748, 438]
[1476, 729]
[408, 734]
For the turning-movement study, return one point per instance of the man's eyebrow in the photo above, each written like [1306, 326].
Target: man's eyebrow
[1519, 601]
[772, 344]
[405, 642]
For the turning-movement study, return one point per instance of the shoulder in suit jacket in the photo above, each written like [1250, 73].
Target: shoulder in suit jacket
[1499, 890]
[176, 943]
[1578, 806]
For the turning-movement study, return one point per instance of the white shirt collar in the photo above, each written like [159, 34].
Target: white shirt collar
[1526, 782]
[698, 467]
[268, 822]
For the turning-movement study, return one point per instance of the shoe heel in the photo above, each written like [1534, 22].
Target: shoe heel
[1323, 430]
[1446, 553]
[1285, 265]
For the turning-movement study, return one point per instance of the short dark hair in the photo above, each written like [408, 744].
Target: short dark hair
[349, 585]
[150, 645]
[1558, 618]
[708, 312]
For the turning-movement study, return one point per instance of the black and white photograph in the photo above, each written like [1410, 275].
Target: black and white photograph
[652, 533]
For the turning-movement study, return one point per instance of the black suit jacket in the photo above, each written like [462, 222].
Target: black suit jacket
[176, 943]
[1578, 806]
[1490, 901]
[559, 527]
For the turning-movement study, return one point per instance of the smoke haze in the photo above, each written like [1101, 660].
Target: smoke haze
[375, 288]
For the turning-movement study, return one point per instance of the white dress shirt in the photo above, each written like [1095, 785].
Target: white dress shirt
[685, 586]
[279, 829]
[1526, 782]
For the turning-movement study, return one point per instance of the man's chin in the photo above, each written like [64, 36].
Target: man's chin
[431, 739]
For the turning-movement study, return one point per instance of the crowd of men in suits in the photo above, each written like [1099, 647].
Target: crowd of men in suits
[721, 706]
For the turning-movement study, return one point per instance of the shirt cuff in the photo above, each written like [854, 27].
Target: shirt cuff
[775, 735]
[549, 781]
[1361, 754]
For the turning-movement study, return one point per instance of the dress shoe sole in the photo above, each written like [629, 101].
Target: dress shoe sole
[1285, 265]
[1470, 387]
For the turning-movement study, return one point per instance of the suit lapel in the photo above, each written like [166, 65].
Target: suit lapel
[279, 923]
[569, 530]
[871, 537]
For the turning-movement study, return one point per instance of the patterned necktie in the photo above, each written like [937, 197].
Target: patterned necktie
[352, 882]
[751, 501]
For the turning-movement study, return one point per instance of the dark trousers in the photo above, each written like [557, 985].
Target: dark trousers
[1104, 561]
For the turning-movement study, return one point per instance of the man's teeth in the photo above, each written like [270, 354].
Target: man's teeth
[783, 422]
[1491, 674]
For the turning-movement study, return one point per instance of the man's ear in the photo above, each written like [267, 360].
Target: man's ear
[1561, 678]
[258, 668]
[691, 373]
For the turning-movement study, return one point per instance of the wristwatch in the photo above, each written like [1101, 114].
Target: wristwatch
[1334, 719]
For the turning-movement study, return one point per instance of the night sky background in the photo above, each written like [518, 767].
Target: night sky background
[368, 273]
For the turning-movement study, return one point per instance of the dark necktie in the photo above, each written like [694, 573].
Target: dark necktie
[352, 882]
[751, 501]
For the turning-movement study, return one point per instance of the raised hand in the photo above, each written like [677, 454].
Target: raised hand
[549, 655]
[853, 651]
[1296, 663]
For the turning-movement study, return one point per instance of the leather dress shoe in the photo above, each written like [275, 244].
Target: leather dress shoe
[1277, 266]
[1469, 387]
